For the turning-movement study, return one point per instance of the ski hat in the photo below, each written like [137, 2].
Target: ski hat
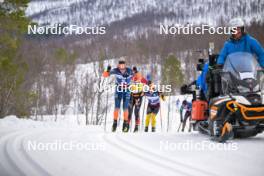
[121, 62]
[236, 22]
[135, 69]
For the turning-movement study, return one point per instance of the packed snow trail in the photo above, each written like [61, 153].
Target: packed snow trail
[120, 154]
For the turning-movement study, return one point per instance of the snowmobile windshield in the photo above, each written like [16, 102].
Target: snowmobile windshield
[242, 65]
[242, 73]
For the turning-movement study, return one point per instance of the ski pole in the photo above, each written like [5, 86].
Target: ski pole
[130, 123]
[106, 110]
[142, 120]
[181, 118]
[161, 120]
[178, 130]
[168, 118]
[107, 94]
[190, 123]
[102, 81]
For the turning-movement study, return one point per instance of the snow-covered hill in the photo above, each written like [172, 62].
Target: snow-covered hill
[102, 12]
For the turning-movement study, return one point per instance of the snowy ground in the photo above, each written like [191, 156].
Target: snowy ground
[29, 147]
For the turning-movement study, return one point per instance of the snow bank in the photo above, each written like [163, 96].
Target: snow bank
[48, 122]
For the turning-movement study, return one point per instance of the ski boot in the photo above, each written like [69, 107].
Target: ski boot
[190, 129]
[136, 129]
[226, 133]
[153, 129]
[114, 126]
[146, 129]
[125, 127]
[221, 132]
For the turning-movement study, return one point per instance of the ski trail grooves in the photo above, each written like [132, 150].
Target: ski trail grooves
[167, 160]
[124, 154]
[159, 166]
[6, 162]
[35, 167]
[17, 153]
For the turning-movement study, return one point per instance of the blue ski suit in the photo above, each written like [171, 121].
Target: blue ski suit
[122, 82]
[201, 80]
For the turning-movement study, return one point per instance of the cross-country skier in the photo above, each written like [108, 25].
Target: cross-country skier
[123, 78]
[136, 88]
[178, 104]
[187, 106]
[153, 96]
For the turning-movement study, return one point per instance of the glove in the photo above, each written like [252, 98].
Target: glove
[163, 97]
[106, 74]
[184, 89]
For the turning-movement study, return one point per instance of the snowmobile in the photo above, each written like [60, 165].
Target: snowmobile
[234, 107]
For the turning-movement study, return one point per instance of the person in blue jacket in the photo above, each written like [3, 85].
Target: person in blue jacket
[201, 80]
[123, 76]
[241, 42]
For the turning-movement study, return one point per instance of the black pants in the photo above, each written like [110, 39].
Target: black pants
[135, 103]
[153, 109]
[187, 115]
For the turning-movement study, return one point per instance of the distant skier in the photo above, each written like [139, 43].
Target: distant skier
[153, 96]
[187, 106]
[136, 87]
[123, 78]
[178, 105]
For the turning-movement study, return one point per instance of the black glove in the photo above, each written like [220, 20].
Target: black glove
[108, 68]
[184, 89]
